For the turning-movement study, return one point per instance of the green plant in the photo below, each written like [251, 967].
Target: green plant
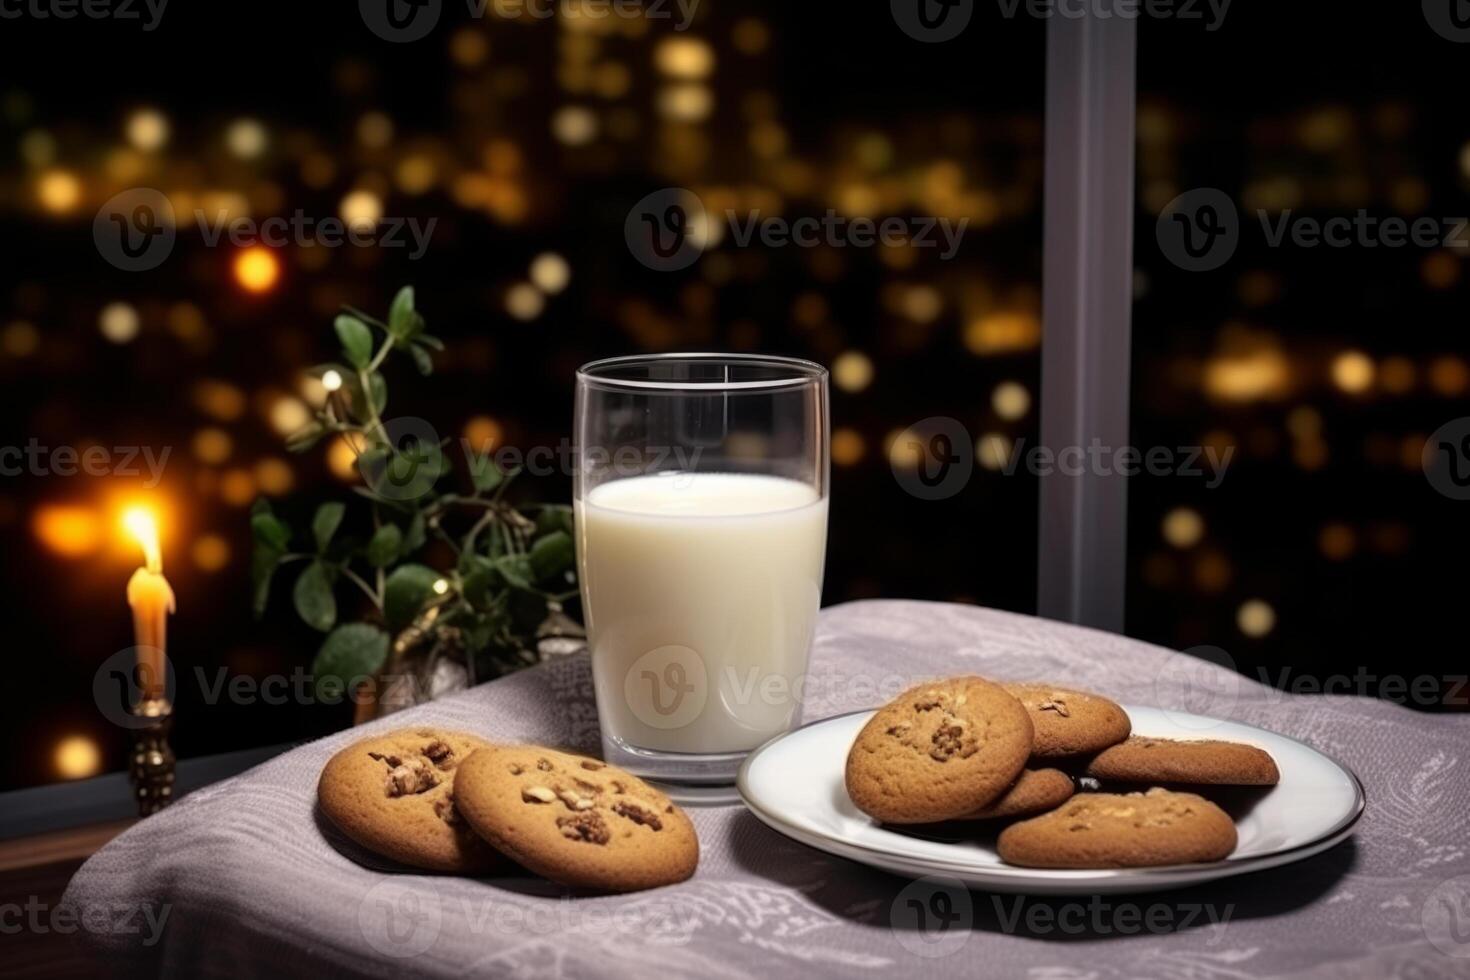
[508, 568]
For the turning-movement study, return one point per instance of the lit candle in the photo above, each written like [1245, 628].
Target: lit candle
[152, 600]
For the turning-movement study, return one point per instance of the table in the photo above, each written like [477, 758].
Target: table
[243, 877]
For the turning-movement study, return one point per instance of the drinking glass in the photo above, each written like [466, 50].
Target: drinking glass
[701, 504]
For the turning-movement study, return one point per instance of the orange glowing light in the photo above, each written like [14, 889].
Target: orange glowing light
[77, 757]
[70, 531]
[142, 524]
[257, 270]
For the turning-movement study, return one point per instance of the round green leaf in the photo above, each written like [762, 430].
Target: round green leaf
[351, 651]
[315, 603]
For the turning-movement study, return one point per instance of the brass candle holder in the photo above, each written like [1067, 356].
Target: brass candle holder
[151, 764]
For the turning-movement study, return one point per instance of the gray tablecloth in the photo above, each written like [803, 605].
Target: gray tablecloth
[251, 883]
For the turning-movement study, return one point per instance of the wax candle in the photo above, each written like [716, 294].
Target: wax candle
[152, 599]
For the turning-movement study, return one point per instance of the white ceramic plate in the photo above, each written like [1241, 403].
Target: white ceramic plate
[794, 783]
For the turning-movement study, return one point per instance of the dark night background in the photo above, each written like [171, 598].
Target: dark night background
[1325, 548]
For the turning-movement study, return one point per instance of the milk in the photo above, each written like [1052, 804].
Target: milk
[701, 594]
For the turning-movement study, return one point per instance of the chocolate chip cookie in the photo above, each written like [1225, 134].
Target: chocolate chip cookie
[1206, 762]
[1133, 830]
[576, 820]
[1035, 791]
[394, 795]
[939, 751]
[1070, 722]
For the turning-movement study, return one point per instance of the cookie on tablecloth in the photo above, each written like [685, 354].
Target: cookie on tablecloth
[394, 795]
[1205, 762]
[576, 820]
[1111, 830]
[1035, 791]
[939, 751]
[1069, 722]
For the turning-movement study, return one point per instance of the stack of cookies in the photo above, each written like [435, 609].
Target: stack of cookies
[448, 801]
[1010, 754]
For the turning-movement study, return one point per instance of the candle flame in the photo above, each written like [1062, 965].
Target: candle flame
[143, 526]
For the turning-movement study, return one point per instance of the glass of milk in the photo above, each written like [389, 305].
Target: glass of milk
[701, 506]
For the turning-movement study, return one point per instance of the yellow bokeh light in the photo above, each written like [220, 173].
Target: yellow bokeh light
[20, 339]
[852, 371]
[288, 414]
[1010, 400]
[119, 322]
[342, 458]
[1002, 333]
[1255, 617]
[257, 269]
[574, 125]
[848, 447]
[212, 445]
[1244, 377]
[1353, 372]
[362, 210]
[210, 552]
[993, 450]
[524, 301]
[219, 399]
[375, 130]
[1337, 541]
[550, 273]
[273, 476]
[1183, 527]
[416, 174]
[237, 487]
[1449, 375]
[246, 138]
[468, 47]
[58, 191]
[147, 130]
[77, 757]
[684, 57]
[483, 433]
[71, 531]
